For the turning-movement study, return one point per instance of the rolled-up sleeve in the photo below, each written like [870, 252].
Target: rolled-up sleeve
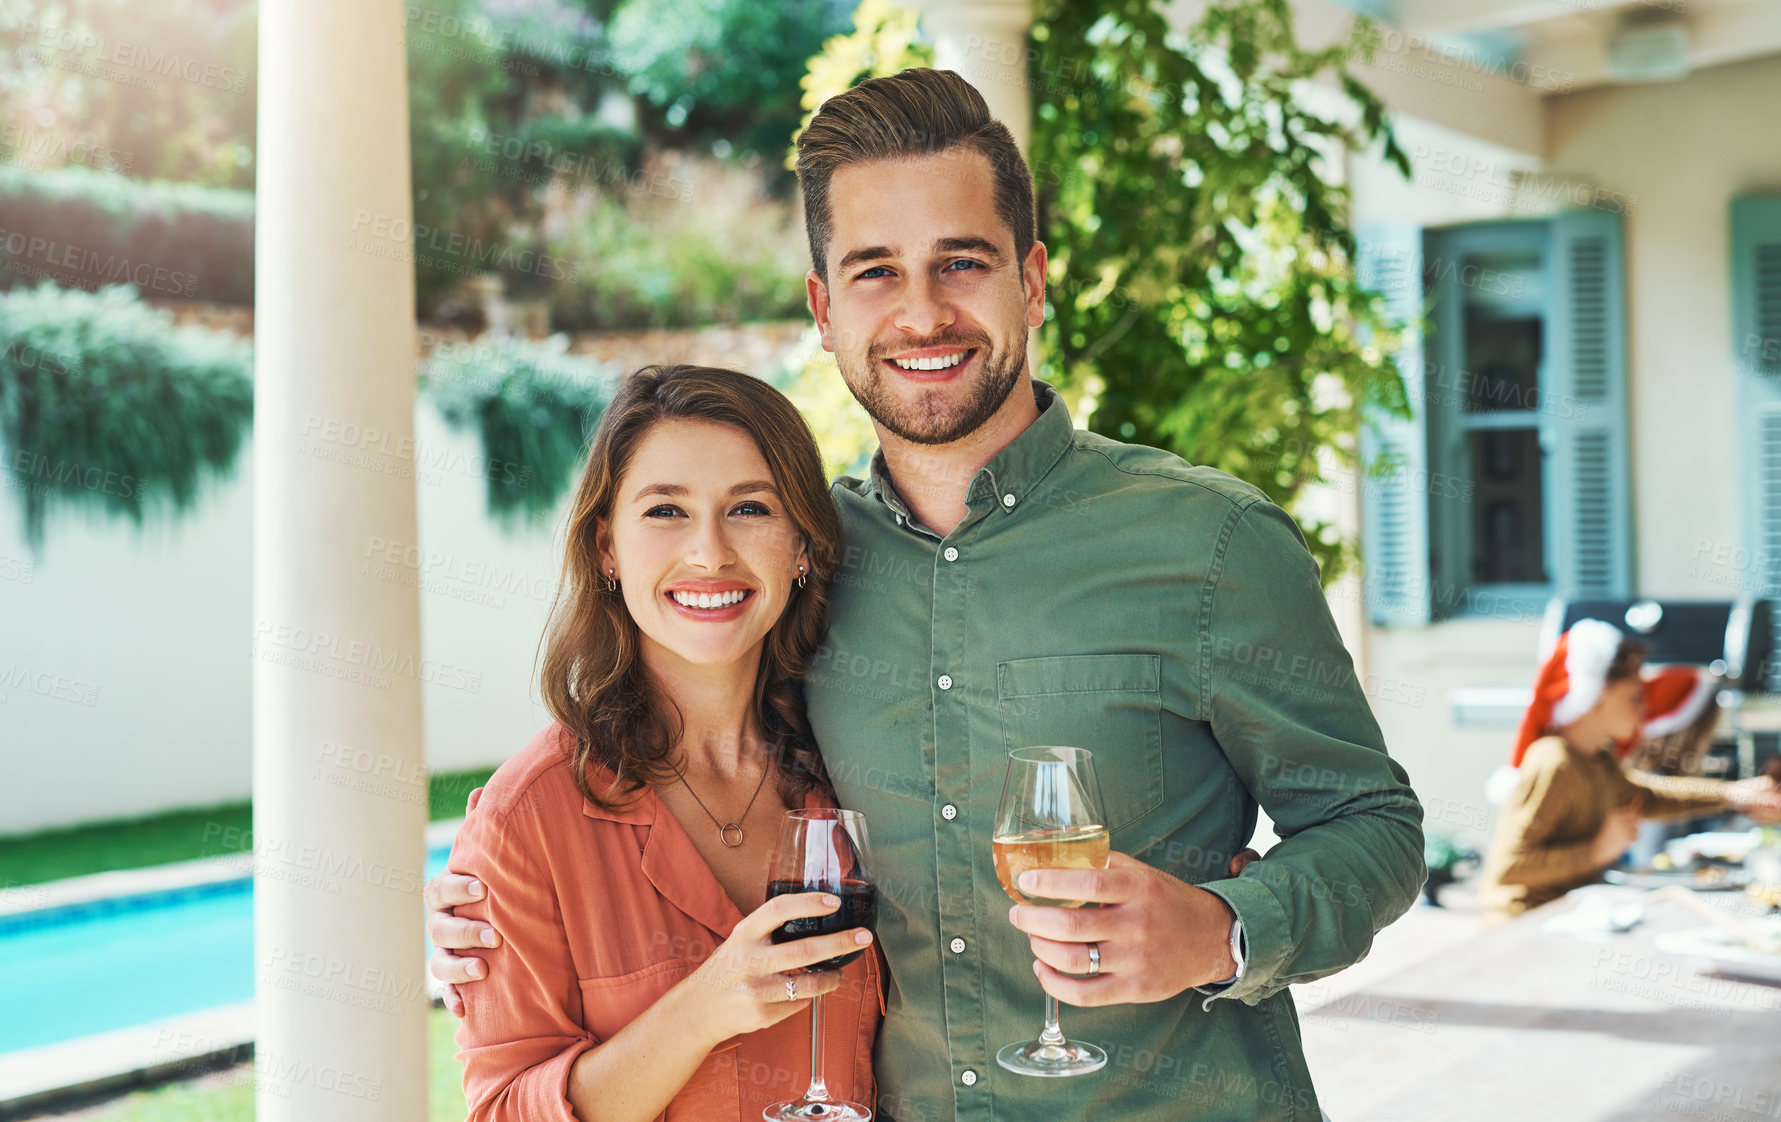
[1295, 725]
[521, 1032]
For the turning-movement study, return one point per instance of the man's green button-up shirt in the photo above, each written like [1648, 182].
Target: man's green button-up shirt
[1168, 618]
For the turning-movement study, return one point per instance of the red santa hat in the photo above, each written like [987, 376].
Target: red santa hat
[1570, 683]
[1674, 697]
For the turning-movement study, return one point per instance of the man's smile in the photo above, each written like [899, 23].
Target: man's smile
[931, 364]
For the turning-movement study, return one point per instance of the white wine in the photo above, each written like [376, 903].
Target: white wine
[1051, 817]
[1076, 847]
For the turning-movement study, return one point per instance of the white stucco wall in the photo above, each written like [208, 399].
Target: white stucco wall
[1682, 151]
[136, 647]
[130, 650]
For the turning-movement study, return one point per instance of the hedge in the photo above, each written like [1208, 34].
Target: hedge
[84, 228]
[105, 403]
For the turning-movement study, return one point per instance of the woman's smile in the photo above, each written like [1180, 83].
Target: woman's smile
[708, 602]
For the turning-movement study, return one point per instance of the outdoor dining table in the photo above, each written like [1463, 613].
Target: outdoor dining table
[1522, 1024]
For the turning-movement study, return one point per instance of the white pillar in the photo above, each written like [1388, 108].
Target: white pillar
[339, 786]
[986, 42]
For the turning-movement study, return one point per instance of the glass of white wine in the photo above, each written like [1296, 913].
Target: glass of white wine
[1051, 817]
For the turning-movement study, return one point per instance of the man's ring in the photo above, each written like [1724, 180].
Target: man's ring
[1094, 959]
[791, 989]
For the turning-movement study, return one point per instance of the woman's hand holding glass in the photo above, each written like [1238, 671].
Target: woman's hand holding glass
[750, 982]
[823, 848]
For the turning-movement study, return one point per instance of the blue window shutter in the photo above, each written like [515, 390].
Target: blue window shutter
[1394, 450]
[1756, 290]
[1589, 514]
[1756, 347]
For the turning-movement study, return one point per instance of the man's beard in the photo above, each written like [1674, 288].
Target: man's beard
[928, 420]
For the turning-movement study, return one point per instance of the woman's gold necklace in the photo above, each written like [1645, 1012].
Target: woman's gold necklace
[724, 828]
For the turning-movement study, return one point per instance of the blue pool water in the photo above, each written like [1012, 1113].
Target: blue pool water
[116, 963]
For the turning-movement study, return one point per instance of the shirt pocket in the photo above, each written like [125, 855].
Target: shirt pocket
[610, 1003]
[1110, 704]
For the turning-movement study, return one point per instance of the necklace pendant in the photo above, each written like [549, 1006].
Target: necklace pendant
[724, 833]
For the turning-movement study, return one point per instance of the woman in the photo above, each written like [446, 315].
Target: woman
[1574, 812]
[625, 849]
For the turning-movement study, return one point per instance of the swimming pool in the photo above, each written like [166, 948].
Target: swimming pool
[108, 964]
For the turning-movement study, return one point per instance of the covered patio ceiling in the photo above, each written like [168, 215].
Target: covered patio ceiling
[1594, 42]
[1483, 68]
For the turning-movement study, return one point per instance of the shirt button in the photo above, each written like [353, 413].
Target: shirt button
[958, 946]
[969, 1078]
[1008, 499]
[949, 812]
[951, 554]
[945, 681]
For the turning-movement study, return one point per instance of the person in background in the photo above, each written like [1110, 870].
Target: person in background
[1574, 811]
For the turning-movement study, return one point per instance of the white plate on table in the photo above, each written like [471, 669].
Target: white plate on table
[1730, 878]
[1728, 954]
[1721, 845]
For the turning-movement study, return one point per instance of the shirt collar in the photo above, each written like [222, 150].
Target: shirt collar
[636, 807]
[1014, 471]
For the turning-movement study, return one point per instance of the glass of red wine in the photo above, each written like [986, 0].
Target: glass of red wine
[823, 849]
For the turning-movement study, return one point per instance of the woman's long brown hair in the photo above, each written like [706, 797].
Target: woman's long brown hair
[593, 679]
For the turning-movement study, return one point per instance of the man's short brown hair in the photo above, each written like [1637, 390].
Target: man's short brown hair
[919, 112]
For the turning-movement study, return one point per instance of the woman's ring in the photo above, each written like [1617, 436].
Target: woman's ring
[791, 989]
[1094, 959]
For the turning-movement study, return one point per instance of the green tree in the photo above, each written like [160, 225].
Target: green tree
[722, 69]
[511, 96]
[456, 91]
[158, 91]
[1201, 288]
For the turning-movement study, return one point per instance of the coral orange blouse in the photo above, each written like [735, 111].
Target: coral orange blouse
[601, 912]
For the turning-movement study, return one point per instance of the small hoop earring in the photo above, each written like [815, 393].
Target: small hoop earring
[800, 576]
[610, 583]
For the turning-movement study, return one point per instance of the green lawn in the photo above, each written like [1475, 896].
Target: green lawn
[176, 835]
[229, 1096]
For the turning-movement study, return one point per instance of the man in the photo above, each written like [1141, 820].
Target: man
[1009, 580]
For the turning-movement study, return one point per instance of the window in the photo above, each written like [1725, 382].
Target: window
[1508, 484]
[1756, 344]
[1484, 396]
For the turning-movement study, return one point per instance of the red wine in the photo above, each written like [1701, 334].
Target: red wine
[859, 908]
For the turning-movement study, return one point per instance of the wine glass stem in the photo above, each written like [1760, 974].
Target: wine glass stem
[819, 1090]
[1053, 1034]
